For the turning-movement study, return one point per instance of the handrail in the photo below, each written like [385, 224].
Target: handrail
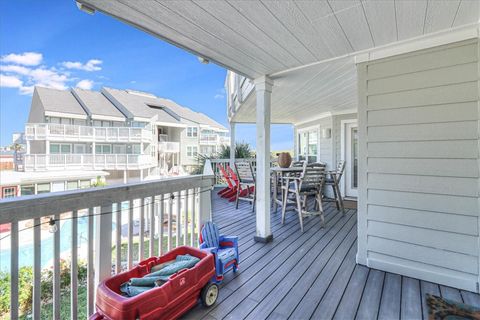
[87, 161]
[183, 204]
[52, 131]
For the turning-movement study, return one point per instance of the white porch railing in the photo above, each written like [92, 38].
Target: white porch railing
[238, 90]
[219, 179]
[45, 162]
[169, 147]
[66, 132]
[166, 213]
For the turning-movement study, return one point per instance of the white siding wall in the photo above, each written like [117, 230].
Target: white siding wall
[419, 164]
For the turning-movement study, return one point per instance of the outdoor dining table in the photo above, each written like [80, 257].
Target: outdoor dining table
[278, 175]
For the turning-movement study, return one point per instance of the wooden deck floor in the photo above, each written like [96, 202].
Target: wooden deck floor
[312, 275]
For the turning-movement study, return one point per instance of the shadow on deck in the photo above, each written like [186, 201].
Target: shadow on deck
[312, 274]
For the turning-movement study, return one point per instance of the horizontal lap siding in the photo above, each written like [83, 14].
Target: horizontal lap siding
[422, 161]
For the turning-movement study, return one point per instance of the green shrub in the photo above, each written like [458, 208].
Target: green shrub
[25, 288]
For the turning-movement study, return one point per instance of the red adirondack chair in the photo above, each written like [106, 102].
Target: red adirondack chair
[225, 192]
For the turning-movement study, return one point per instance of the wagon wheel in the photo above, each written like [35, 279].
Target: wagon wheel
[209, 294]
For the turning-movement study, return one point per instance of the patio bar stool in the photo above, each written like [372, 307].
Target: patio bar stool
[246, 183]
[307, 183]
[333, 180]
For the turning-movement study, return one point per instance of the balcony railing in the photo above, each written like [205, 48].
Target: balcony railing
[169, 147]
[212, 139]
[45, 162]
[66, 132]
[160, 215]
[220, 179]
[238, 90]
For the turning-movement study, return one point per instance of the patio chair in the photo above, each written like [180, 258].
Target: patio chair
[307, 183]
[333, 179]
[246, 181]
[224, 248]
[225, 192]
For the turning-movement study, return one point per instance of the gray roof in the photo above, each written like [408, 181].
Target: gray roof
[54, 100]
[122, 104]
[189, 114]
[138, 105]
[97, 104]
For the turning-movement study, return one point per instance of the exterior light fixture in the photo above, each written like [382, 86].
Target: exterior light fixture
[85, 8]
[326, 133]
[203, 60]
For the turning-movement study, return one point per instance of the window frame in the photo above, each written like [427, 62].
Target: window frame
[306, 156]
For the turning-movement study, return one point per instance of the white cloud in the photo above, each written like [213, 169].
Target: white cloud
[85, 84]
[15, 69]
[90, 65]
[26, 58]
[26, 78]
[10, 81]
[219, 96]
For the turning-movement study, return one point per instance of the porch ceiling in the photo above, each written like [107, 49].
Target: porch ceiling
[258, 38]
[305, 94]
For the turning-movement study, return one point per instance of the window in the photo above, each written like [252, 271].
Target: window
[9, 192]
[84, 184]
[103, 149]
[43, 188]
[60, 148]
[192, 132]
[134, 149]
[79, 148]
[192, 151]
[308, 145]
[72, 185]
[119, 149]
[79, 122]
[100, 123]
[27, 190]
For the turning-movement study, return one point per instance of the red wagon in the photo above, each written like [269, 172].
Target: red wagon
[169, 301]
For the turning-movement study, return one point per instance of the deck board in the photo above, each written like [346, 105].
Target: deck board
[311, 274]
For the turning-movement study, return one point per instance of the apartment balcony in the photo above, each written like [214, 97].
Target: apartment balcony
[168, 147]
[238, 90]
[209, 139]
[47, 162]
[309, 275]
[66, 132]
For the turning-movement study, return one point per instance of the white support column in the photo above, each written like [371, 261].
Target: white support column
[47, 147]
[232, 144]
[205, 197]
[263, 89]
[103, 244]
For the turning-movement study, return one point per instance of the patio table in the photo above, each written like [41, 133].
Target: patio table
[278, 174]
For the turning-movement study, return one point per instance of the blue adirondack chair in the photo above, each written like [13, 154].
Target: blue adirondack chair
[224, 248]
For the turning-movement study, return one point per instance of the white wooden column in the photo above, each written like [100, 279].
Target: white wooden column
[103, 244]
[232, 145]
[263, 89]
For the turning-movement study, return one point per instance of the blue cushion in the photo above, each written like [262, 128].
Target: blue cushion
[226, 255]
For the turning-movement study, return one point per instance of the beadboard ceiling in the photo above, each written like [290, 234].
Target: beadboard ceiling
[276, 38]
[255, 38]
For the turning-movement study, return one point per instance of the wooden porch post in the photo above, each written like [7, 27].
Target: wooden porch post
[263, 89]
[232, 145]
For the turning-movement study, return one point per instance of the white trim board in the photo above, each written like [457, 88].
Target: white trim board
[343, 126]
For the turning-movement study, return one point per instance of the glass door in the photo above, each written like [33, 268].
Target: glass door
[351, 152]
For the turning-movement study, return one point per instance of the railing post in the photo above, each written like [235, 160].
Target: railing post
[205, 198]
[103, 244]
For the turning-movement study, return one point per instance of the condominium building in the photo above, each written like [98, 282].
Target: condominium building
[132, 135]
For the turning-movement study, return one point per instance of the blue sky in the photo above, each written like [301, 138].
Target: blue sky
[69, 48]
